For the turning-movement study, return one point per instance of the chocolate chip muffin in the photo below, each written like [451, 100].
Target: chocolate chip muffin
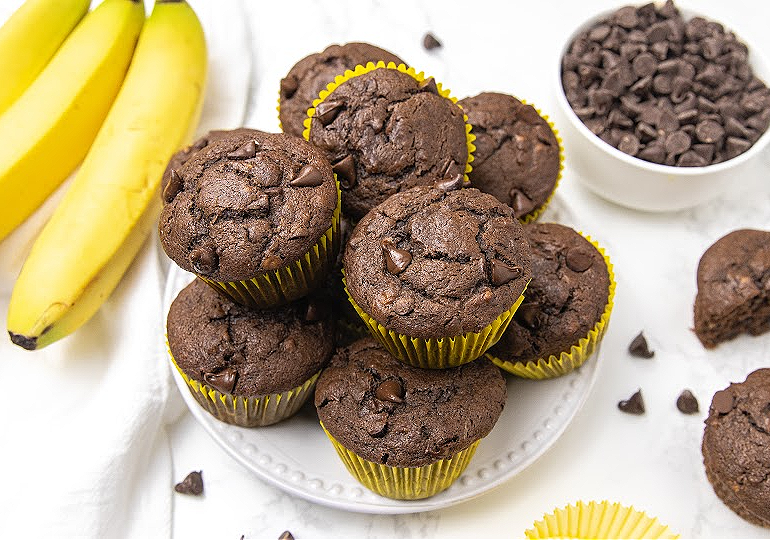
[431, 263]
[380, 412]
[567, 298]
[384, 131]
[735, 444]
[733, 287]
[263, 364]
[517, 157]
[310, 75]
[254, 214]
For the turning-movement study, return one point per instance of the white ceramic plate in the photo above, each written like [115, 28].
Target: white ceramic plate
[296, 456]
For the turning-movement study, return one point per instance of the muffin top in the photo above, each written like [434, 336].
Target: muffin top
[435, 263]
[735, 443]
[385, 132]
[517, 154]
[568, 293]
[247, 352]
[310, 75]
[733, 287]
[398, 415]
[246, 203]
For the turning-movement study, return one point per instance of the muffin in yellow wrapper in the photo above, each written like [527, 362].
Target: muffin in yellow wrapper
[249, 411]
[438, 353]
[556, 366]
[292, 281]
[598, 520]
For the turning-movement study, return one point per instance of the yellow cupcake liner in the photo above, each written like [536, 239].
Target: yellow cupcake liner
[295, 280]
[419, 77]
[567, 361]
[598, 520]
[249, 411]
[406, 483]
[438, 353]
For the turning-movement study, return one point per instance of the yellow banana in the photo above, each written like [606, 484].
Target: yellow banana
[48, 130]
[113, 201]
[30, 38]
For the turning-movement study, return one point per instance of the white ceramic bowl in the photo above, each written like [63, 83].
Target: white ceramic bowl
[643, 185]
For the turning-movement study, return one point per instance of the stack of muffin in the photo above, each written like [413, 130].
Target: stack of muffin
[435, 270]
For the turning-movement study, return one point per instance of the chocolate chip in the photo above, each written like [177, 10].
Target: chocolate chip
[691, 159]
[654, 152]
[308, 176]
[529, 315]
[403, 305]
[709, 131]
[224, 381]
[247, 151]
[677, 143]
[660, 50]
[723, 401]
[450, 183]
[502, 272]
[633, 405]
[327, 111]
[313, 311]
[428, 85]
[687, 403]
[390, 390]
[286, 535]
[599, 33]
[667, 121]
[289, 85]
[191, 485]
[638, 347]
[396, 259]
[430, 42]
[521, 204]
[173, 187]
[579, 260]
[626, 17]
[376, 424]
[644, 65]
[735, 146]
[629, 144]
[203, 260]
[345, 169]
[685, 117]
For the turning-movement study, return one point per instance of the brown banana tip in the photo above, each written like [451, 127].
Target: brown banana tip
[29, 343]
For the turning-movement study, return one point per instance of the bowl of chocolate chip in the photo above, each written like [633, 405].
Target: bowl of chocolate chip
[664, 109]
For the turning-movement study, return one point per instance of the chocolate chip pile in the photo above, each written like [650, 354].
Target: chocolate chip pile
[665, 90]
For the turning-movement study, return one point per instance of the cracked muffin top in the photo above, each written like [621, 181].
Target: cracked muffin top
[390, 413]
[385, 132]
[517, 154]
[567, 296]
[432, 263]
[244, 203]
[247, 352]
[310, 75]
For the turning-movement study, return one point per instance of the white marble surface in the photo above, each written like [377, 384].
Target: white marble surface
[653, 461]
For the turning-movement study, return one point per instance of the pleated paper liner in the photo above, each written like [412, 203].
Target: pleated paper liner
[598, 520]
[419, 77]
[249, 411]
[438, 353]
[406, 483]
[567, 361]
[295, 280]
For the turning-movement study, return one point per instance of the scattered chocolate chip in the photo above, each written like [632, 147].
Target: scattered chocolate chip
[687, 403]
[173, 187]
[345, 169]
[224, 381]
[191, 485]
[289, 85]
[203, 260]
[327, 111]
[429, 85]
[430, 42]
[579, 260]
[286, 535]
[396, 259]
[521, 204]
[723, 401]
[633, 405]
[390, 390]
[247, 151]
[502, 272]
[638, 347]
[308, 176]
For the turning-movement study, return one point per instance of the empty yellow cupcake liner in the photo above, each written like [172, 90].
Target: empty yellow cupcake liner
[598, 520]
[438, 353]
[419, 77]
[406, 483]
[249, 411]
[567, 361]
[295, 280]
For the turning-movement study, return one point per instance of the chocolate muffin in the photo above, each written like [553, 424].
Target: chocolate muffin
[517, 157]
[388, 413]
[310, 75]
[733, 287]
[735, 443]
[248, 357]
[384, 132]
[252, 205]
[567, 297]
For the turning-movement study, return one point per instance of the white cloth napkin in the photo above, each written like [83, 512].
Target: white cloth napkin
[83, 448]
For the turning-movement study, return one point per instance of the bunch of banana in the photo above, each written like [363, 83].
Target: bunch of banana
[111, 206]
